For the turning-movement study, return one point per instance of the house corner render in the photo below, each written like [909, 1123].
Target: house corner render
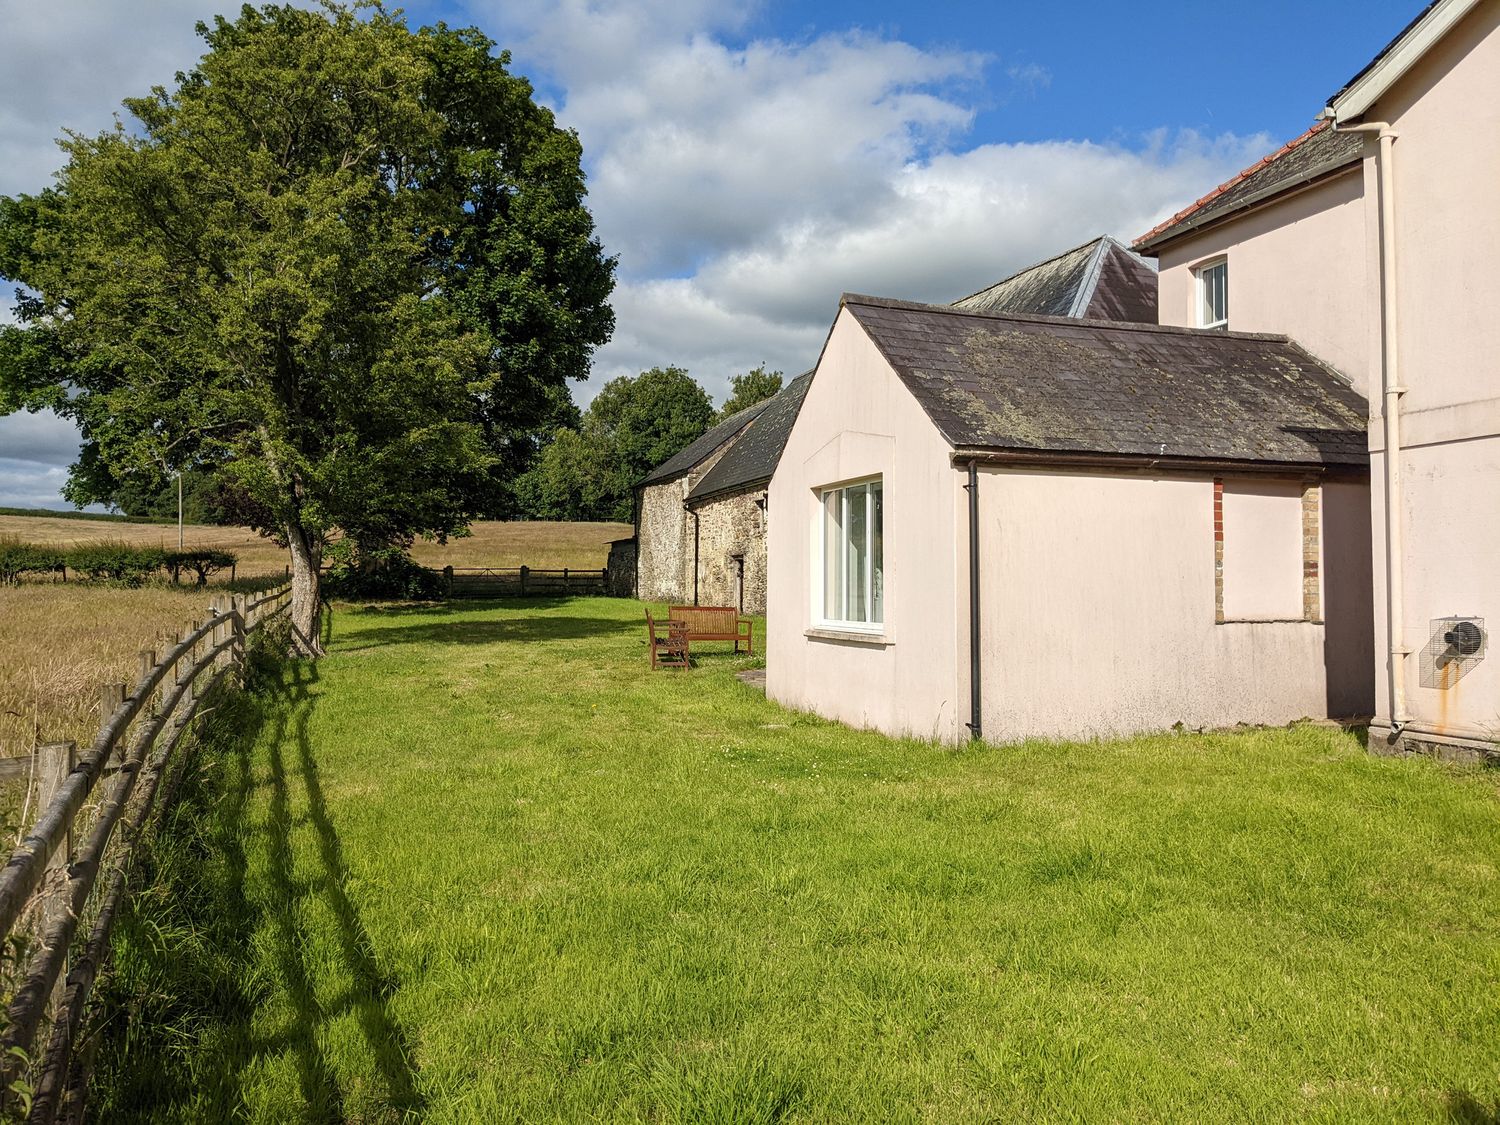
[1372, 240]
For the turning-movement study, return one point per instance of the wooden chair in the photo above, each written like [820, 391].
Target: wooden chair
[669, 650]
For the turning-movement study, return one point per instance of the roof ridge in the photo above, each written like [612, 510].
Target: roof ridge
[1091, 273]
[1038, 318]
[1238, 178]
[1034, 266]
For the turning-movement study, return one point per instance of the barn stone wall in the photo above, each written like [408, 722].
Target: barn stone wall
[665, 543]
[664, 533]
[733, 525]
[621, 568]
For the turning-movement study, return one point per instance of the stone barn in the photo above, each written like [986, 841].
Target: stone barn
[663, 531]
[728, 508]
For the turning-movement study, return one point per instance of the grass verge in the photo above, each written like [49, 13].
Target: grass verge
[480, 865]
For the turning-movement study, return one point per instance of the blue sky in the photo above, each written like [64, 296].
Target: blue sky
[749, 163]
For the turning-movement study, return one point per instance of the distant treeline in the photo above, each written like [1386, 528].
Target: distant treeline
[118, 564]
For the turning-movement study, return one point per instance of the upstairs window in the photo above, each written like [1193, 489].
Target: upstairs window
[1213, 294]
[853, 555]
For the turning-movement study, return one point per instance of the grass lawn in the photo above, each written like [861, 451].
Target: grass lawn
[480, 865]
[59, 642]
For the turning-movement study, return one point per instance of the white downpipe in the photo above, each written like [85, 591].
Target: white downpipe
[1392, 390]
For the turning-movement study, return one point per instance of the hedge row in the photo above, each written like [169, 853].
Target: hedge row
[117, 563]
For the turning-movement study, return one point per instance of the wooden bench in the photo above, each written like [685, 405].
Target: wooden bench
[669, 650]
[716, 623]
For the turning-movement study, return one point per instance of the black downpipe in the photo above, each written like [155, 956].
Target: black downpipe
[973, 489]
[695, 558]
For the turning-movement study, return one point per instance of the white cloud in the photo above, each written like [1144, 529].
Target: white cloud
[745, 185]
[68, 65]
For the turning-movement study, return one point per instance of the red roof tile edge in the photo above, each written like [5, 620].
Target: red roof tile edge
[1191, 208]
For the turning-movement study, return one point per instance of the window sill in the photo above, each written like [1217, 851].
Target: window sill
[1270, 621]
[850, 636]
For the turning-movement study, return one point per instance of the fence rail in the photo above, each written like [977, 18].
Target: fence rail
[523, 581]
[48, 887]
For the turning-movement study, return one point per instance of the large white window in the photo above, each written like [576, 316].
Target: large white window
[1213, 294]
[853, 558]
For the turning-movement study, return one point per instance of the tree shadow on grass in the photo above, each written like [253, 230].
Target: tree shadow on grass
[204, 952]
[486, 631]
[292, 764]
[1464, 1108]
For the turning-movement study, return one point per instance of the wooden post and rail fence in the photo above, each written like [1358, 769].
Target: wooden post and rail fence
[65, 883]
[523, 582]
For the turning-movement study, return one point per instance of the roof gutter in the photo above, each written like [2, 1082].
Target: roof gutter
[1391, 392]
[1133, 462]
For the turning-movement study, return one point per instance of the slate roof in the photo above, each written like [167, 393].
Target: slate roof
[1317, 153]
[694, 454]
[751, 461]
[1101, 279]
[1008, 382]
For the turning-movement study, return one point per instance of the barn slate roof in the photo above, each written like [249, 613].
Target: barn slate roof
[1102, 279]
[751, 461]
[688, 458]
[1317, 153]
[1027, 383]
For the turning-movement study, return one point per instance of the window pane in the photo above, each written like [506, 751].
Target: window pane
[877, 554]
[833, 555]
[857, 538]
[1214, 283]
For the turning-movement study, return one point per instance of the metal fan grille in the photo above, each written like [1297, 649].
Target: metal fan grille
[1456, 647]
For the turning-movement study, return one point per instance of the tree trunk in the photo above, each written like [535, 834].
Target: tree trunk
[307, 556]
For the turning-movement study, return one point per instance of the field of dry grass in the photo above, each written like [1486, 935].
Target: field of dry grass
[534, 544]
[59, 642]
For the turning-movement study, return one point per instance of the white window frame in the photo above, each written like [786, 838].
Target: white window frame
[825, 620]
[1200, 291]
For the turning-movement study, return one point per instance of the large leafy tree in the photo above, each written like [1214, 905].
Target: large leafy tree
[745, 390]
[344, 265]
[633, 425]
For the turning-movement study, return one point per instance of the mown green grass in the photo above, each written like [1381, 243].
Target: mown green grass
[480, 865]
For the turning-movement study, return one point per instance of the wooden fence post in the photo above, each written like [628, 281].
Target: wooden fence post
[237, 623]
[523, 580]
[110, 698]
[54, 762]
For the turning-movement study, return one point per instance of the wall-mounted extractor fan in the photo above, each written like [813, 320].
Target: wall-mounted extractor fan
[1456, 648]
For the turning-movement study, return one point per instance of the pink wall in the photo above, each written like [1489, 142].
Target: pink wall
[859, 421]
[1262, 550]
[1099, 613]
[1447, 167]
[1298, 267]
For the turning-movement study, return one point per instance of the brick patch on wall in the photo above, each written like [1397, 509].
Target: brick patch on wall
[1312, 495]
[1219, 549]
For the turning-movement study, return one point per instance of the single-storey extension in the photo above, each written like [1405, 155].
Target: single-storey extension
[1020, 526]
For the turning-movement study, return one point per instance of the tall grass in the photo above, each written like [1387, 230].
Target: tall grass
[480, 865]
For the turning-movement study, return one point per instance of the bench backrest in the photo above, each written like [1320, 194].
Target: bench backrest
[706, 618]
